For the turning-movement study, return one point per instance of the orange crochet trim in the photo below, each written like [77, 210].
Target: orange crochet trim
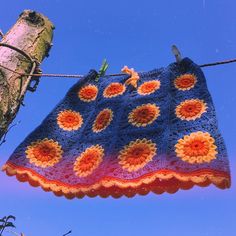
[133, 80]
[158, 182]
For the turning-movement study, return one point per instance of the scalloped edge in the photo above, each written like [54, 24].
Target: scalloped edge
[156, 182]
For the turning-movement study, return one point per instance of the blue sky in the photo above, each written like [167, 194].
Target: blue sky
[138, 34]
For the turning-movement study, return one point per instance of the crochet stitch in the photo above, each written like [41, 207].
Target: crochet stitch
[107, 138]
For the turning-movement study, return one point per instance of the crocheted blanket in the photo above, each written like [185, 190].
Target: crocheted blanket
[112, 138]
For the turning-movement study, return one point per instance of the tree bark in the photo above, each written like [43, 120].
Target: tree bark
[32, 34]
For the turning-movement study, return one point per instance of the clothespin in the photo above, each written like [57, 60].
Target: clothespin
[102, 69]
[176, 53]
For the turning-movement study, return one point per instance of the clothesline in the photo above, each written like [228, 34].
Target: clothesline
[119, 74]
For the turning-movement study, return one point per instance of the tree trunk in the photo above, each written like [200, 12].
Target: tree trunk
[32, 34]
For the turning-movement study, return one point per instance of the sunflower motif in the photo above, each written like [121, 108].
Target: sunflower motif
[44, 153]
[137, 154]
[102, 120]
[149, 87]
[88, 161]
[185, 82]
[88, 93]
[144, 115]
[198, 147]
[69, 120]
[190, 109]
[113, 90]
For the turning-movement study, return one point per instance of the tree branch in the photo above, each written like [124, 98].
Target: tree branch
[32, 34]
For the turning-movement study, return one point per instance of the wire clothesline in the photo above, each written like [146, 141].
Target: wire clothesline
[80, 76]
[102, 71]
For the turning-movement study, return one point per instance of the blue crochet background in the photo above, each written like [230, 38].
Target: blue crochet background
[165, 131]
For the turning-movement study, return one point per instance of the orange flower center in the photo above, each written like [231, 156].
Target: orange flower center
[137, 154]
[114, 89]
[138, 151]
[144, 115]
[103, 120]
[44, 152]
[69, 120]
[149, 87]
[197, 145]
[191, 109]
[88, 161]
[88, 93]
[196, 148]
[185, 81]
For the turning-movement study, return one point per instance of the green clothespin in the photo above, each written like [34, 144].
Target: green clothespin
[102, 69]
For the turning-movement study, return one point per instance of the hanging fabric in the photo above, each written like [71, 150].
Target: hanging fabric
[156, 132]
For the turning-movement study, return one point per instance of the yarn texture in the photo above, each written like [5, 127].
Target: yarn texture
[155, 133]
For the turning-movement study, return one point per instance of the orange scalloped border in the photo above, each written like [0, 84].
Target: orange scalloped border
[156, 182]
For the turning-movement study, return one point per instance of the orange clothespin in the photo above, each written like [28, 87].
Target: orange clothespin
[133, 80]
